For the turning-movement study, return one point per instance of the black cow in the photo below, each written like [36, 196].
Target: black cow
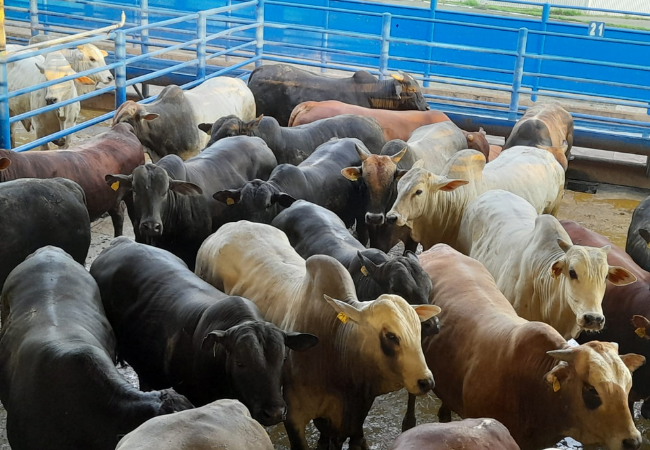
[58, 381]
[317, 179]
[178, 331]
[293, 145]
[171, 205]
[279, 88]
[638, 235]
[35, 213]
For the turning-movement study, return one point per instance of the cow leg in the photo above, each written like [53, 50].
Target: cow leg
[296, 435]
[409, 417]
[117, 216]
[358, 443]
[444, 414]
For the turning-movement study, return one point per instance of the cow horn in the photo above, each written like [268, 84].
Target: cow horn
[564, 245]
[470, 137]
[363, 154]
[399, 155]
[567, 354]
[398, 76]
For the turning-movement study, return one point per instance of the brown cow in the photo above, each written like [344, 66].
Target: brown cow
[491, 363]
[468, 434]
[625, 307]
[115, 151]
[547, 126]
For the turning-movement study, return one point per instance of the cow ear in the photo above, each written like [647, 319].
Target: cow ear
[633, 361]
[85, 80]
[283, 199]
[447, 185]
[345, 310]
[558, 375]
[351, 173]
[255, 123]
[104, 53]
[482, 131]
[620, 276]
[206, 128]
[119, 181]
[557, 268]
[641, 325]
[228, 196]
[150, 116]
[564, 245]
[40, 68]
[299, 342]
[4, 163]
[400, 173]
[367, 266]
[645, 235]
[425, 312]
[213, 338]
[184, 187]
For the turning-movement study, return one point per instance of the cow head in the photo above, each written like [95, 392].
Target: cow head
[389, 332]
[478, 141]
[134, 114]
[89, 57]
[256, 201]
[379, 173]
[593, 383]
[401, 276]
[255, 355]
[582, 273]
[414, 190]
[151, 186]
[407, 94]
[171, 402]
[229, 126]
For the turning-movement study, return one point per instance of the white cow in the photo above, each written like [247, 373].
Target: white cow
[224, 424]
[433, 205]
[170, 124]
[36, 70]
[535, 264]
[434, 144]
[369, 349]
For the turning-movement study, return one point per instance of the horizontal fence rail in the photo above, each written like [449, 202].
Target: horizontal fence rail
[507, 57]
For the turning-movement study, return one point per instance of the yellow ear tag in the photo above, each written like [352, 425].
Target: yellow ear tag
[364, 271]
[342, 317]
[230, 201]
[640, 332]
[115, 186]
[556, 384]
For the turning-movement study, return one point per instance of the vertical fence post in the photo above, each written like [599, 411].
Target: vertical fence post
[518, 73]
[385, 46]
[33, 16]
[144, 38]
[201, 32]
[228, 25]
[120, 71]
[5, 131]
[432, 15]
[325, 38]
[259, 32]
[546, 15]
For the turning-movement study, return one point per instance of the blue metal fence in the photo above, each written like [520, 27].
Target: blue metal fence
[515, 56]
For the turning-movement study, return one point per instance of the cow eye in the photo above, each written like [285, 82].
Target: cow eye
[573, 274]
[240, 364]
[590, 397]
[391, 337]
[93, 60]
[418, 192]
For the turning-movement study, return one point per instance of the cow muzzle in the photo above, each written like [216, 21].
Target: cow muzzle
[592, 321]
[272, 416]
[51, 100]
[374, 219]
[151, 228]
[60, 142]
[425, 385]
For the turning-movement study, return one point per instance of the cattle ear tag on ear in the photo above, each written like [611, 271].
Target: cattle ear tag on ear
[640, 332]
[364, 271]
[230, 201]
[342, 317]
[115, 186]
[556, 384]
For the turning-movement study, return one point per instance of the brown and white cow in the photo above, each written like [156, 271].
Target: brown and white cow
[365, 349]
[492, 363]
[115, 151]
[468, 434]
[547, 126]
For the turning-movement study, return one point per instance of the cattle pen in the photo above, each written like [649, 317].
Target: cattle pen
[502, 64]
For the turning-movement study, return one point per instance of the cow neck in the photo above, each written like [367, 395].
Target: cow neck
[440, 220]
[545, 286]
[175, 202]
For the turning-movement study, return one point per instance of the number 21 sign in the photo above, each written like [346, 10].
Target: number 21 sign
[596, 29]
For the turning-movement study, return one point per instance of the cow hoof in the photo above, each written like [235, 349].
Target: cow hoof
[358, 444]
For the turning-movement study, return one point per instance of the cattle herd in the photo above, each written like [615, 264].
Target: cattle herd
[259, 288]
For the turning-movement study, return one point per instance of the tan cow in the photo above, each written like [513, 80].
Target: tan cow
[433, 205]
[535, 264]
[365, 349]
[547, 126]
[489, 362]
[224, 424]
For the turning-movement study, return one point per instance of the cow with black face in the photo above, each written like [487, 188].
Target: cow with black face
[186, 334]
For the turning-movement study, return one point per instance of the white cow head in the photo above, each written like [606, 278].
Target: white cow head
[582, 272]
[414, 190]
[88, 57]
[593, 382]
[55, 67]
[389, 332]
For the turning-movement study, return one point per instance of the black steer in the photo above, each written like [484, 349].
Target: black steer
[638, 235]
[35, 213]
[171, 205]
[58, 382]
[279, 88]
[178, 331]
[293, 145]
[317, 179]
